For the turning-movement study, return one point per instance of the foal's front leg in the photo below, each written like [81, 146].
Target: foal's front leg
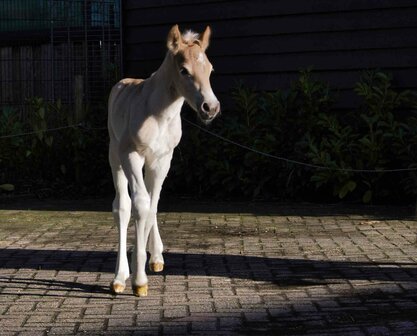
[132, 163]
[155, 175]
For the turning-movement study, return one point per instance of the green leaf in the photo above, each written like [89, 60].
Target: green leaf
[42, 113]
[367, 196]
[48, 141]
[7, 187]
[348, 187]
[63, 169]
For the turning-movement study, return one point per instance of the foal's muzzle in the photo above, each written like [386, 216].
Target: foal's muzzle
[209, 110]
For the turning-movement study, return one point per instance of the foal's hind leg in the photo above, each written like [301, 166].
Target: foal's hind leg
[121, 214]
[155, 175]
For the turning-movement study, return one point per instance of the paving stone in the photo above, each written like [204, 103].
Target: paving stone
[227, 323]
[206, 326]
[298, 269]
[201, 308]
[31, 333]
[175, 312]
[176, 328]
[125, 321]
[94, 326]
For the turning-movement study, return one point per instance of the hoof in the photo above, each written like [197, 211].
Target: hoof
[140, 290]
[156, 267]
[117, 288]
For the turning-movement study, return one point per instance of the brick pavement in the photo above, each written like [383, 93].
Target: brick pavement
[273, 270]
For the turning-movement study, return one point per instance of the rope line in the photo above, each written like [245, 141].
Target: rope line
[80, 125]
[309, 165]
[205, 130]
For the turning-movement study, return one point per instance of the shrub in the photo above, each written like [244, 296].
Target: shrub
[302, 124]
[299, 124]
[271, 122]
[11, 154]
[63, 163]
[379, 135]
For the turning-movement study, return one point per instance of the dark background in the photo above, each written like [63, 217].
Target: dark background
[265, 43]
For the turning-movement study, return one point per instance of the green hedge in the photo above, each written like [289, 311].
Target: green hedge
[66, 162]
[302, 124]
[299, 124]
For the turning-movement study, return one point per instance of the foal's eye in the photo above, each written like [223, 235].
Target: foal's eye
[184, 72]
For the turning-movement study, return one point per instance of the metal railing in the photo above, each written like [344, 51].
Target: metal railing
[58, 49]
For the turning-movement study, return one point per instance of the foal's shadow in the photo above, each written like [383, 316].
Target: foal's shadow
[275, 272]
[50, 287]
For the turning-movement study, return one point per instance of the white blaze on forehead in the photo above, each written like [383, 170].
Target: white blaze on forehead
[200, 58]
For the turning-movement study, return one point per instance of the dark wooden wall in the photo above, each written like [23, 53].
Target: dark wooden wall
[265, 43]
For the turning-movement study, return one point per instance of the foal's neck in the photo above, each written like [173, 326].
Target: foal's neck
[164, 93]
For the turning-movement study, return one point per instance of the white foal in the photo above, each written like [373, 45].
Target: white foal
[145, 126]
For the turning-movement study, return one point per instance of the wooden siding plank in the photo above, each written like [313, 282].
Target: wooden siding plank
[342, 80]
[337, 79]
[46, 71]
[6, 75]
[299, 43]
[360, 59]
[267, 26]
[280, 7]
[265, 43]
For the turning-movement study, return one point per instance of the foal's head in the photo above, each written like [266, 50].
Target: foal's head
[192, 71]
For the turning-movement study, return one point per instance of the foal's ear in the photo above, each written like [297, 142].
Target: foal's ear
[205, 38]
[174, 40]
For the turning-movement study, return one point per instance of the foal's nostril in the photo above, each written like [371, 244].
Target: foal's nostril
[205, 107]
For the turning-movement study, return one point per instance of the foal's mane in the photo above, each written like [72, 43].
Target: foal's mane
[191, 37]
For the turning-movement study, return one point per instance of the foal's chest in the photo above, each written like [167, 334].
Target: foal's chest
[157, 138]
